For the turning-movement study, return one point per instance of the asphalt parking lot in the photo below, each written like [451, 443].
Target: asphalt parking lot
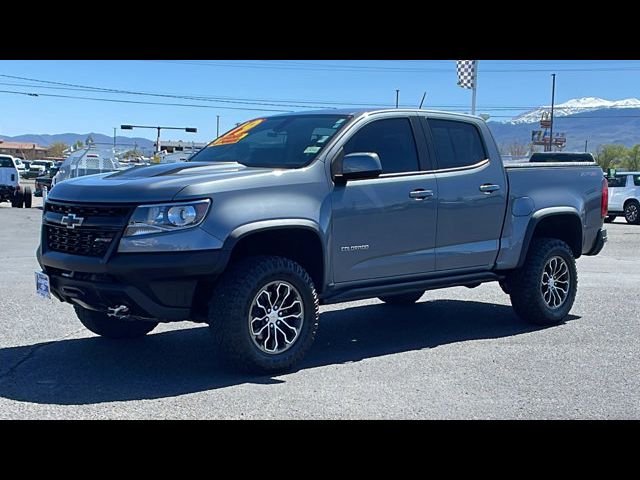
[459, 353]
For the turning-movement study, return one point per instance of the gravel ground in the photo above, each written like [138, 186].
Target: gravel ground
[459, 353]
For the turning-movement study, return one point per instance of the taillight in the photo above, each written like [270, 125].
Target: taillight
[604, 206]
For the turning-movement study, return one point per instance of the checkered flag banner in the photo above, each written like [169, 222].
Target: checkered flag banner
[466, 73]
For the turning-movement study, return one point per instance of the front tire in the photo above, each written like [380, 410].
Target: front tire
[544, 289]
[632, 212]
[264, 314]
[111, 327]
[609, 218]
[402, 298]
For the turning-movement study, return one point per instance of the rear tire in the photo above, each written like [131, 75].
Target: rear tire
[18, 200]
[609, 218]
[632, 212]
[534, 296]
[242, 328]
[402, 298]
[111, 327]
[27, 197]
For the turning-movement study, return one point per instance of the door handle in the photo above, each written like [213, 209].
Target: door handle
[421, 194]
[489, 187]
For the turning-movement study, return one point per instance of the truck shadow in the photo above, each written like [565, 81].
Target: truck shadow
[95, 370]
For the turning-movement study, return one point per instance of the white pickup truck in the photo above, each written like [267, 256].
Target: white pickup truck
[624, 197]
[10, 189]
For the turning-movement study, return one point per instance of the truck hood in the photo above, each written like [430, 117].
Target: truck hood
[154, 183]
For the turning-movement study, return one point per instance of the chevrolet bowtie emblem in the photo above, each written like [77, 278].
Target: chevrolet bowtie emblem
[71, 221]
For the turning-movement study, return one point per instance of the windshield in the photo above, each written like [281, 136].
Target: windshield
[276, 142]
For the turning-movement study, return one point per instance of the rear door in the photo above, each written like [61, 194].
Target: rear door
[618, 191]
[472, 193]
[385, 227]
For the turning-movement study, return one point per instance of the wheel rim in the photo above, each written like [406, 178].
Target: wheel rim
[632, 212]
[555, 282]
[276, 317]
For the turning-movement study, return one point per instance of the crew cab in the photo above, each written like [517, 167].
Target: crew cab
[285, 213]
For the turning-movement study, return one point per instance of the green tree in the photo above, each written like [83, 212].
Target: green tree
[78, 144]
[56, 149]
[609, 156]
[89, 140]
[633, 159]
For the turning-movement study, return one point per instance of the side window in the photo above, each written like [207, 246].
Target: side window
[457, 144]
[636, 180]
[392, 140]
[617, 181]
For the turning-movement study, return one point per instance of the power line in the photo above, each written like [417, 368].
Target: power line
[139, 102]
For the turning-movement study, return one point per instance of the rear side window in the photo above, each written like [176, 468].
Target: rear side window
[617, 181]
[457, 144]
[636, 180]
[6, 162]
[392, 140]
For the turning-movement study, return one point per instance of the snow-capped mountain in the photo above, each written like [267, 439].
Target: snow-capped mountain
[576, 105]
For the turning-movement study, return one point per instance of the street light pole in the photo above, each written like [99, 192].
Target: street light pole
[553, 97]
[186, 129]
[217, 126]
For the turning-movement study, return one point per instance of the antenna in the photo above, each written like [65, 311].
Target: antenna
[422, 101]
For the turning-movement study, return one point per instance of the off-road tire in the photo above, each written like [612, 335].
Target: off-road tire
[402, 298]
[231, 302]
[111, 327]
[525, 283]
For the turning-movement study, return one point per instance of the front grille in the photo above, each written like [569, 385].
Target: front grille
[92, 242]
[88, 210]
[100, 225]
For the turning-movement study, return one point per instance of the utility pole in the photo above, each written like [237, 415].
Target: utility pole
[586, 142]
[158, 141]
[217, 126]
[114, 139]
[553, 98]
[397, 97]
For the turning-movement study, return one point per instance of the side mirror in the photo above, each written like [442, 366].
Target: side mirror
[357, 166]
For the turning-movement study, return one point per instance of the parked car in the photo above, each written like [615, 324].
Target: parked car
[45, 181]
[10, 188]
[19, 165]
[624, 197]
[284, 213]
[38, 168]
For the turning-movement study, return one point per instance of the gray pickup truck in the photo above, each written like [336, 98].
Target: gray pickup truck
[288, 212]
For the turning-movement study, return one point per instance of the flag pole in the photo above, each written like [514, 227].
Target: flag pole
[475, 88]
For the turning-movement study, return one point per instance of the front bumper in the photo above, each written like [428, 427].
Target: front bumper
[161, 286]
[598, 245]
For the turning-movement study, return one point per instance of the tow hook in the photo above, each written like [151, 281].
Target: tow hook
[120, 312]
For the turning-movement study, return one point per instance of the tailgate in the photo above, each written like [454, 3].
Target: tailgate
[9, 176]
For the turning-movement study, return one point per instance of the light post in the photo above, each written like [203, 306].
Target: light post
[186, 129]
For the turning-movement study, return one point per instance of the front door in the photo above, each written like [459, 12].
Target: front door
[385, 227]
[471, 197]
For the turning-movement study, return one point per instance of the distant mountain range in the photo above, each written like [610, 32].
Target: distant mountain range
[594, 119]
[597, 120]
[70, 138]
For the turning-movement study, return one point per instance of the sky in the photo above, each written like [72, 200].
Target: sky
[255, 88]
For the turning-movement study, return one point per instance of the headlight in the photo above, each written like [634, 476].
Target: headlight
[167, 217]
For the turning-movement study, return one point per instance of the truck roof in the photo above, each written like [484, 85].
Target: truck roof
[372, 110]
